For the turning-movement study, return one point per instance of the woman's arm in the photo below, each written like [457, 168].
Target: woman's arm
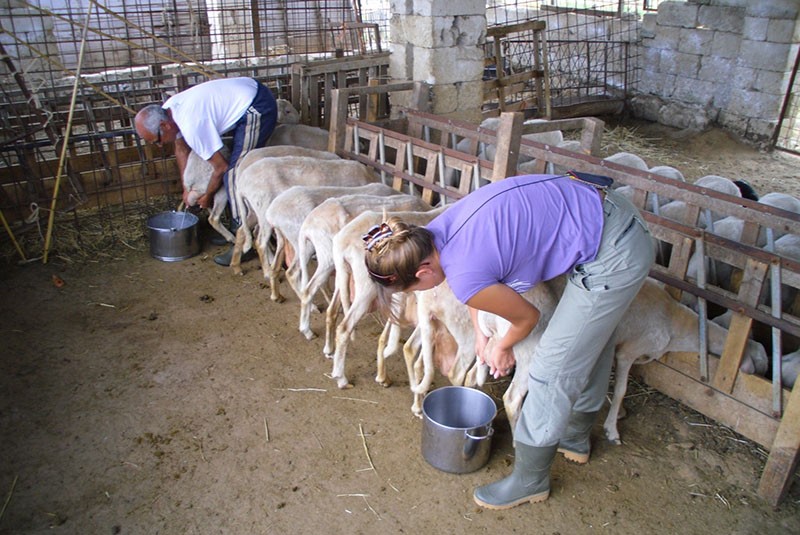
[501, 300]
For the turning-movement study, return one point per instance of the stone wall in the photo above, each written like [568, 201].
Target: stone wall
[724, 62]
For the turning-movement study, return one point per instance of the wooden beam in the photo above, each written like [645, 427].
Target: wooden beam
[782, 462]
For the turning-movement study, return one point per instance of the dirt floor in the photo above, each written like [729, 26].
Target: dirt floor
[147, 397]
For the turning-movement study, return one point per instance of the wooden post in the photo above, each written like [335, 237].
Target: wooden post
[509, 133]
[783, 455]
[338, 124]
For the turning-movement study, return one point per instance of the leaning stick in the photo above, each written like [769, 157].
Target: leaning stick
[11, 235]
[63, 156]
[8, 498]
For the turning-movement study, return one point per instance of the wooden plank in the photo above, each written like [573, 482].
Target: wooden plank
[509, 133]
[782, 462]
[502, 31]
[703, 398]
[739, 330]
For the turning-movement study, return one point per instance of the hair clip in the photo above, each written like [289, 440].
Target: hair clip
[375, 235]
[383, 280]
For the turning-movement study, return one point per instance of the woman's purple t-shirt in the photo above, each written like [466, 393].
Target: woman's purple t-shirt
[518, 231]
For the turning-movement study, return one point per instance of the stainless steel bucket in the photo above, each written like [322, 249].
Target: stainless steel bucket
[457, 428]
[173, 236]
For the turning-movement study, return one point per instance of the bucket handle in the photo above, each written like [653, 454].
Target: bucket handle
[489, 433]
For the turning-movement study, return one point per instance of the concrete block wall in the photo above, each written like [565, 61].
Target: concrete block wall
[724, 62]
[441, 42]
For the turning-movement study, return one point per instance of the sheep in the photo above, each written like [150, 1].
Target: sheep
[654, 202]
[287, 114]
[348, 254]
[266, 178]
[628, 159]
[790, 367]
[316, 236]
[299, 135]
[282, 150]
[488, 151]
[731, 228]
[196, 177]
[438, 311]
[286, 214]
[653, 325]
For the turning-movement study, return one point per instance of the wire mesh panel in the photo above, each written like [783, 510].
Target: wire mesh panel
[787, 135]
[131, 53]
[590, 47]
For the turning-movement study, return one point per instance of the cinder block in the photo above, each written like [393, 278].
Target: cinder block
[447, 65]
[781, 30]
[773, 9]
[666, 38]
[695, 40]
[755, 104]
[726, 44]
[436, 32]
[680, 14]
[715, 68]
[648, 29]
[693, 91]
[765, 55]
[679, 63]
[722, 18]
[755, 28]
[437, 8]
[771, 82]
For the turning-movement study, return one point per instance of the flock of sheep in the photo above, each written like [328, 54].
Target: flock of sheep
[315, 206]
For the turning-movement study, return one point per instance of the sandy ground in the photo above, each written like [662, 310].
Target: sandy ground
[148, 397]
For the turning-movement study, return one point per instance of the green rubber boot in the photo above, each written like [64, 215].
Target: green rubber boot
[224, 259]
[529, 482]
[575, 444]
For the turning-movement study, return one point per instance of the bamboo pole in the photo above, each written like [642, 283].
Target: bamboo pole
[62, 158]
[11, 235]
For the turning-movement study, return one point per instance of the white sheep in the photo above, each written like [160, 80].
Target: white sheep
[653, 325]
[654, 201]
[196, 177]
[266, 178]
[627, 159]
[281, 150]
[439, 312]
[286, 214]
[487, 151]
[316, 237]
[299, 135]
[790, 367]
[348, 254]
[287, 114]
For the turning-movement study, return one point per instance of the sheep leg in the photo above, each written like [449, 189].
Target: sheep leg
[331, 315]
[307, 294]
[236, 257]
[272, 271]
[214, 215]
[345, 329]
[623, 367]
[426, 355]
[410, 350]
[381, 378]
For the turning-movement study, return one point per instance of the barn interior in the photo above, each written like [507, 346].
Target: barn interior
[401, 88]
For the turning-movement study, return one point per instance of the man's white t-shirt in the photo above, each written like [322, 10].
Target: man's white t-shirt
[208, 110]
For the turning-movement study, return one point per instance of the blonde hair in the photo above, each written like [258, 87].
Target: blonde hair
[394, 252]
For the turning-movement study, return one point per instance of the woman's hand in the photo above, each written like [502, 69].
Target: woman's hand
[501, 361]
